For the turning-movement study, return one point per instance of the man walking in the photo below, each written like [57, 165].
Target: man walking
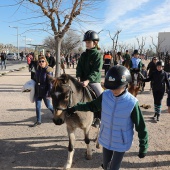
[50, 59]
[3, 60]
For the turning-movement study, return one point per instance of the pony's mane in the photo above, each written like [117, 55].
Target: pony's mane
[77, 84]
[64, 78]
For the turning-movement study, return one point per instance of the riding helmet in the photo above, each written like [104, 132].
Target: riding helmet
[91, 36]
[118, 76]
[135, 52]
[160, 63]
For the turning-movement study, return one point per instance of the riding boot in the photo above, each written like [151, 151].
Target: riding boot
[154, 117]
[158, 115]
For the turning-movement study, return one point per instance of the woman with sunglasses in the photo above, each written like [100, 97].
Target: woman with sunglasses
[42, 87]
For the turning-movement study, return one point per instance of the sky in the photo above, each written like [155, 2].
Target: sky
[135, 19]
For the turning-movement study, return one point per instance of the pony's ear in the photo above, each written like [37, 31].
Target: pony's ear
[64, 78]
[52, 79]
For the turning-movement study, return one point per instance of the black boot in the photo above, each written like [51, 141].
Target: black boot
[154, 117]
[158, 115]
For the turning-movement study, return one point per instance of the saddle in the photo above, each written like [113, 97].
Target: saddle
[92, 96]
[91, 93]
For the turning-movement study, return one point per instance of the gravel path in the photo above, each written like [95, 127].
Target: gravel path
[45, 146]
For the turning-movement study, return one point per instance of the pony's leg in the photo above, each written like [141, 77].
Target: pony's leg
[70, 149]
[87, 141]
[96, 139]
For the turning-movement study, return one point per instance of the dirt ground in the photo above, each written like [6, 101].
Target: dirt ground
[45, 146]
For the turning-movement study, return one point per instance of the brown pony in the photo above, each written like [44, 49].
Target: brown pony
[67, 92]
[135, 86]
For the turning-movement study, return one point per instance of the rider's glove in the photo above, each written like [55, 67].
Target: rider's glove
[141, 155]
[70, 110]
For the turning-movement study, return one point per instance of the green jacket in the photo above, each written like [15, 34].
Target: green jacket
[136, 116]
[126, 57]
[89, 66]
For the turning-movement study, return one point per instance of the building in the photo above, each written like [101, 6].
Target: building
[164, 42]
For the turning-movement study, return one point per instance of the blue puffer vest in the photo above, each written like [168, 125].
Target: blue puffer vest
[135, 62]
[116, 132]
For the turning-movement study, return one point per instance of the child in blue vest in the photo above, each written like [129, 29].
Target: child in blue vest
[136, 63]
[120, 111]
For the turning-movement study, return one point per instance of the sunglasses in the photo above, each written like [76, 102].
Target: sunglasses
[41, 61]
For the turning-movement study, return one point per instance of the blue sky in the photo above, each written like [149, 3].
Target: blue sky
[136, 19]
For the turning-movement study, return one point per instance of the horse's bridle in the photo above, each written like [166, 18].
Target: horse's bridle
[70, 99]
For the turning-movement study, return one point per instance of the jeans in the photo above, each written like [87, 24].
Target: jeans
[47, 103]
[3, 64]
[112, 159]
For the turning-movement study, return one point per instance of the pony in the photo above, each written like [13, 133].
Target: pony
[136, 85]
[66, 92]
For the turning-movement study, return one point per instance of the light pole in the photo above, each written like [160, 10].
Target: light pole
[25, 42]
[17, 40]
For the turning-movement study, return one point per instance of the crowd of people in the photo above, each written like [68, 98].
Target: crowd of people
[120, 110]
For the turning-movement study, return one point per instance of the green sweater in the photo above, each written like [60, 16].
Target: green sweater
[136, 116]
[126, 57]
[89, 66]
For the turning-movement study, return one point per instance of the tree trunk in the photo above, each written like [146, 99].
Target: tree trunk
[58, 63]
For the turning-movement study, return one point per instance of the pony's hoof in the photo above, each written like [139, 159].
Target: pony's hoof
[89, 157]
[98, 146]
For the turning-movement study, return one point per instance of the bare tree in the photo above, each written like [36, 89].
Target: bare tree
[116, 35]
[158, 46]
[49, 42]
[70, 41]
[141, 45]
[61, 19]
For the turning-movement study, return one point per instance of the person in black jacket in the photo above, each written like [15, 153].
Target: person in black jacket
[159, 79]
[151, 68]
[3, 60]
[50, 59]
[42, 87]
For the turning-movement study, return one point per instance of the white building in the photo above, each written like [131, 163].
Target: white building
[164, 42]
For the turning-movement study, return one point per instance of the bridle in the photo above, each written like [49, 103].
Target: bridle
[70, 100]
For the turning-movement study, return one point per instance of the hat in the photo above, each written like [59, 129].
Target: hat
[119, 53]
[135, 52]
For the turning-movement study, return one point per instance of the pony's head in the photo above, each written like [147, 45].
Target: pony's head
[62, 96]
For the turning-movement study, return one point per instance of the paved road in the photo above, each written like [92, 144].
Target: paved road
[13, 66]
[45, 147]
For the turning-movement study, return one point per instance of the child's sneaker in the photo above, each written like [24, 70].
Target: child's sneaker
[154, 117]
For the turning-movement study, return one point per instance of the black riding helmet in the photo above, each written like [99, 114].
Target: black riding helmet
[91, 36]
[160, 63]
[117, 77]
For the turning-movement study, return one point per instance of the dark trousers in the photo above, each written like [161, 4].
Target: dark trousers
[112, 159]
[106, 67]
[158, 96]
